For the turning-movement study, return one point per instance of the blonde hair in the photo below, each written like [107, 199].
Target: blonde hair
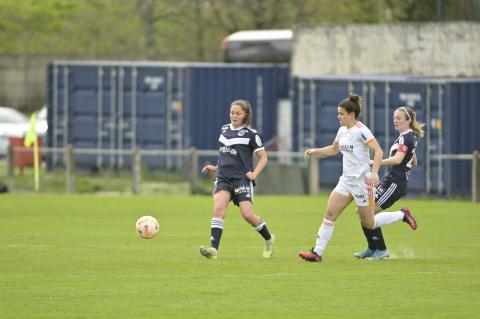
[247, 108]
[412, 116]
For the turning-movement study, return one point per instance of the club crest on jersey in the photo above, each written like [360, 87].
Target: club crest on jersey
[241, 132]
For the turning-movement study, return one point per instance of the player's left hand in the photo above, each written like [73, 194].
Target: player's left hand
[251, 176]
[207, 168]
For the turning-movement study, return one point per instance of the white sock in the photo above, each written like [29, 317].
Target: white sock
[386, 218]
[324, 234]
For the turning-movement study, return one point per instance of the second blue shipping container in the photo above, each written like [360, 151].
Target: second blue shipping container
[449, 107]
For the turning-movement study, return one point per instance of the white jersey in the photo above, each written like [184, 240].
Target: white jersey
[356, 156]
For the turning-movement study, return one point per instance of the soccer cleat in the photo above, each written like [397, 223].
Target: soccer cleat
[310, 256]
[268, 249]
[210, 252]
[408, 218]
[364, 254]
[380, 254]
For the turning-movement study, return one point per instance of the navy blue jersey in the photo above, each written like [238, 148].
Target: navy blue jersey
[406, 143]
[236, 148]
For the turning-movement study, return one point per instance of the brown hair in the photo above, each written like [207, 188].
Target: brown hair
[412, 116]
[246, 107]
[352, 103]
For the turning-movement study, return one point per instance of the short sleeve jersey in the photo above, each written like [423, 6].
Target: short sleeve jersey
[352, 142]
[405, 143]
[236, 147]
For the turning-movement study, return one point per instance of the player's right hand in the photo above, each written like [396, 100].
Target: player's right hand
[374, 179]
[309, 152]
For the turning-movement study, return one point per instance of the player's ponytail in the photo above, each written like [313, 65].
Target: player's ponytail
[246, 107]
[352, 103]
[411, 115]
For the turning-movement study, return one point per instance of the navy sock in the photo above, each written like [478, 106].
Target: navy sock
[216, 232]
[369, 236]
[263, 230]
[378, 239]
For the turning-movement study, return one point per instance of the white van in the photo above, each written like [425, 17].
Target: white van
[272, 46]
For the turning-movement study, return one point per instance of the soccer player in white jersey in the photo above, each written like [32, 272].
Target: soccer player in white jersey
[357, 182]
[236, 176]
[394, 184]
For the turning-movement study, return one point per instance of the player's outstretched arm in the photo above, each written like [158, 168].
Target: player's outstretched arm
[394, 160]
[330, 150]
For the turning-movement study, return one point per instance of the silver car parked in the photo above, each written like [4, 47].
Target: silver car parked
[15, 124]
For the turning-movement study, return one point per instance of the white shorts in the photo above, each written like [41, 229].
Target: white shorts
[359, 189]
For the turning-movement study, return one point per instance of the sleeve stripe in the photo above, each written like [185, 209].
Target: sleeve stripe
[402, 148]
[369, 140]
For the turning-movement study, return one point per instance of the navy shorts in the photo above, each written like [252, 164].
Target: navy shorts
[388, 193]
[240, 189]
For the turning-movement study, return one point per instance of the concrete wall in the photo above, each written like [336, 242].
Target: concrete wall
[429, 49]
[22, 81]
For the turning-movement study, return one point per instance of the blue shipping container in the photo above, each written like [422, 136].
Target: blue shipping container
[449, 107]
[122, 105]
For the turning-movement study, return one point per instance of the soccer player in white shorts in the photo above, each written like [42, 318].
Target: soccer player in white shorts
[357, 182]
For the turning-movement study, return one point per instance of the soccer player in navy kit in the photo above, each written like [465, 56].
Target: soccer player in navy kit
[236, 176]
[394, 184]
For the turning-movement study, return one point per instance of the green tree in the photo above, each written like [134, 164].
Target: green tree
[187, 29]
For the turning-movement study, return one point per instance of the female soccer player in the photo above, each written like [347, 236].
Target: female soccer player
[236, 176]
[394, 183]
[357, 182]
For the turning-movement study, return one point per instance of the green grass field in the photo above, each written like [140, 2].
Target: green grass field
[79, 257]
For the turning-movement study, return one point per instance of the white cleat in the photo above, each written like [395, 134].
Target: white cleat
[210, 253]
[380, 254]
[268, 250]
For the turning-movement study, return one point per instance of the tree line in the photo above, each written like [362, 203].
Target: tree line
[187, 30]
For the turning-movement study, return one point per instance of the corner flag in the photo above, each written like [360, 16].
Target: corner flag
[31, 138]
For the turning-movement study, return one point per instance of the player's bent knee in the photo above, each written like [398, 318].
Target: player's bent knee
[248, 216]
[331, 215]
[368, 225]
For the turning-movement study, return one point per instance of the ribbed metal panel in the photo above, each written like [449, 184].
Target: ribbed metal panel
[449, 107]
[211, 89]
[123, 105]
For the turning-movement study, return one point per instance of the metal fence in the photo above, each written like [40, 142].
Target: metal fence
[190, 161]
